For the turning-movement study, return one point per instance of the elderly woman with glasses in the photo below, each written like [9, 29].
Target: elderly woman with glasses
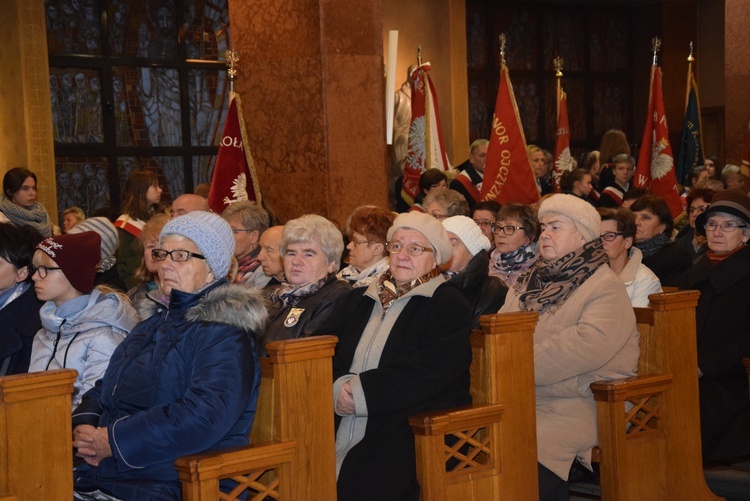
[516, 233]
[618, 232]
[403, 348]
[311, 247]
[368, 257]
[722, 276]
[184, 381]
[586, 332]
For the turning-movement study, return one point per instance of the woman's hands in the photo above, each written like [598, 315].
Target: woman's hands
[92, 444]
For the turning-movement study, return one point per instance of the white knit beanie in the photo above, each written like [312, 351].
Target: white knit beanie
[582, 213]
[210, 233]
[469, 232]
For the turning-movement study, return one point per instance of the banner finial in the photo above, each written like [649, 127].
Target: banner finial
[558, 64]
[655, 47]
[501, 38]
[690, 57]
[419, 54]
[232, 57]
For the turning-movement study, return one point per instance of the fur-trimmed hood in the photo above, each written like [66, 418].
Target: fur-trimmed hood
[237, 305]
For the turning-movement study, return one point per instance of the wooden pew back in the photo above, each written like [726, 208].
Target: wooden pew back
[649, 425]
[495, 455]
[36, 461]
[292, 453]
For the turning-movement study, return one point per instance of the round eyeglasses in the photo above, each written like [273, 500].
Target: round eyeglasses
[610, 236]
[413, 250]
[508, 230]
[178, 255]
[43, 270]
[726, 227]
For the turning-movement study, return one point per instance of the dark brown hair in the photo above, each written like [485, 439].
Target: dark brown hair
[134, 202]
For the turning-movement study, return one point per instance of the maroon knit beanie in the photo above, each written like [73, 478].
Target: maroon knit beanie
[77, 256]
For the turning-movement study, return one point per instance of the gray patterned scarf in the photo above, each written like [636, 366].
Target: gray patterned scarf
[35, 216]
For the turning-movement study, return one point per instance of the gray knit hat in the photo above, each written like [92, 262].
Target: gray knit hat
[582, 213]
[428, 226]
[107, 232]
[210, 233]
[469, 232]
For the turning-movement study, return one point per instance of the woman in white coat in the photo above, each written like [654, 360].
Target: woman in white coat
[586, 333]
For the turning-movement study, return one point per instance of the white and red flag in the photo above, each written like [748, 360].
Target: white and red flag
[426, 149]
[234, 178]
[655, 169]
[508, 176]
[563, 160]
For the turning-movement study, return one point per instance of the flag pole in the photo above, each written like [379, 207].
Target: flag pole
[558, 64]
[232, 58]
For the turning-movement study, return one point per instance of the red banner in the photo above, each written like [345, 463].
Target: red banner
[234, 178]
[508, 176]
[655, 169]
[426, 149]
[563, 161]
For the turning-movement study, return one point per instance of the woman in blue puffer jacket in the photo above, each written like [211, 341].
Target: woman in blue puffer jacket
[184, 381]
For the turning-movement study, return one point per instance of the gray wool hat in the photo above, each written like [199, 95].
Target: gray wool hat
[210, 233]
[428, 226]
[582, 213]
[107, 232]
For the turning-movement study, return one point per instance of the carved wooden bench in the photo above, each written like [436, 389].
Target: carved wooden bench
[36, 440]
[649, 425]
[292, 453]
[495, 454]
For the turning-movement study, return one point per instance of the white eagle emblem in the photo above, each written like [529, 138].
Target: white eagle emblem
[239, 190]
[564, 161]
[661, 163]
[417, 149]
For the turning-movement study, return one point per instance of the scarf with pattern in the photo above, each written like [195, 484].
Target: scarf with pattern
[290, 294]
[517, 260]
[388, 291]
[35, 216]
[652, 245]
[549, 284]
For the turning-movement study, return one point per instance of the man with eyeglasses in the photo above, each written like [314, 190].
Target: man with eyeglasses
[722, 276]
[485, 215]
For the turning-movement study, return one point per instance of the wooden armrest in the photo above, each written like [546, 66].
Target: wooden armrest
[459, 418]
[234, 461]
[619, 390]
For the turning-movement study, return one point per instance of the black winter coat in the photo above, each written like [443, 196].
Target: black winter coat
[19, 323]
[669, 263]
[723, 329]
[485, 294]
[424, 366]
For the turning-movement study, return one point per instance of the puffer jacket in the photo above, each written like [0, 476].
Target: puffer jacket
[81, 334]
[184, 381]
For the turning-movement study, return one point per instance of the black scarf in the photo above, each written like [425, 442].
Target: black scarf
[652, 245]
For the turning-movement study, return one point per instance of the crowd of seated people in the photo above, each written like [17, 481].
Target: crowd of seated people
[145, 308]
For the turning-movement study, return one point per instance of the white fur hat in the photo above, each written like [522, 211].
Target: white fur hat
[582, 213]
[469, 232]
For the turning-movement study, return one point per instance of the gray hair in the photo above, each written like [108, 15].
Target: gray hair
[314, 228]
[736, 219]
[477, 143]
[453, 202]
[250, 215]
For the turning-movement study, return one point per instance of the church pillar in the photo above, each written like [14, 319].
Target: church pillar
[312, 87]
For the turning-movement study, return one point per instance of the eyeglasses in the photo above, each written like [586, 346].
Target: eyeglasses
[413, 250]
[439, 216]
[508, 230]
[360, 242]
[241, 230]
[610, 236]
[726, 227]
[484, 224]
[43, 270]
[698, 209]
[178, 255]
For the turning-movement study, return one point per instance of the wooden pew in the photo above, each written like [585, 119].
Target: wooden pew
[653, 450]
[292, 454]
[496, 454]
[36, 460]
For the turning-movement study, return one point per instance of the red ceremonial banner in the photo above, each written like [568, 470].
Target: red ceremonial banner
[508, 176]
[655, 168]
[234, 177]
[563, 160]
[426, 149]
